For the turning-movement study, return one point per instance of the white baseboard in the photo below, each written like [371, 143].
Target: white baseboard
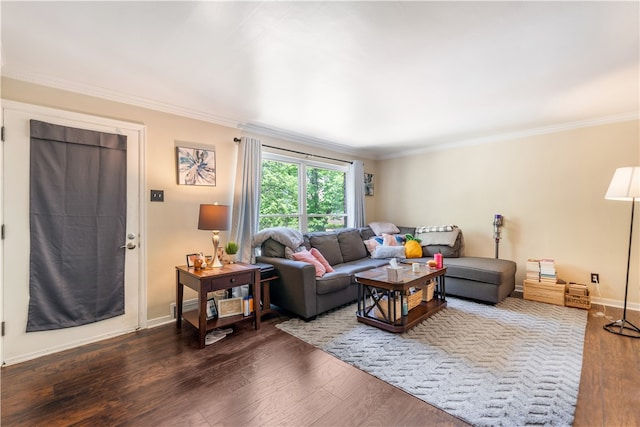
[187, 305]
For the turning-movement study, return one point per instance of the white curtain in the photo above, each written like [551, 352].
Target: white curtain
[357, 176]
[246, 198]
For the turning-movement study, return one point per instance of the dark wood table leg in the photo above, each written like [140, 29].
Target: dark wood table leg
[179, 297]
[202, 317]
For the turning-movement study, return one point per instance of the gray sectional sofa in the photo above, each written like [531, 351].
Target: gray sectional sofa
[300, 292]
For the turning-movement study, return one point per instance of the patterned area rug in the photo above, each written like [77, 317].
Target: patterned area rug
[516, 363]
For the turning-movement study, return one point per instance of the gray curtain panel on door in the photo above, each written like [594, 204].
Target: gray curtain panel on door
[78, 207]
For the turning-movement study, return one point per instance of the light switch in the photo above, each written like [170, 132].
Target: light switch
[157, 195]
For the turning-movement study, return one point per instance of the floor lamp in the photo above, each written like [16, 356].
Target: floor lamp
[625, 185]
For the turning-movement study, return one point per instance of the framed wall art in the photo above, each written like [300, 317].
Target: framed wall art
[368, 184]
[196, 166]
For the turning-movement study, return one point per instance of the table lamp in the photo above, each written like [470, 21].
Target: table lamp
[625, 185]
[215, 218]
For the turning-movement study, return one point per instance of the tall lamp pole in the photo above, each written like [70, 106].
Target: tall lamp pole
[625, 185]
[497, 225]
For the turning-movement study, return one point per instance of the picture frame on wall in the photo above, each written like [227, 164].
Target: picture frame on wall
[196, 166]
[368, 184]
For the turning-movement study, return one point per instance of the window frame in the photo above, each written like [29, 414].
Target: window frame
[303, 164]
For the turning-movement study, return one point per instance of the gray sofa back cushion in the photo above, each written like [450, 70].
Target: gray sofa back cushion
[351, 245]
[366, 233]
[271, 248]
[327, 244]
[447, 251]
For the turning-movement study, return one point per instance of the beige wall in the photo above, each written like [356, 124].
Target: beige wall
[550, 189]
[172, 225]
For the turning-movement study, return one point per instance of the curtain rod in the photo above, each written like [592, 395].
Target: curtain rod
[302, 153]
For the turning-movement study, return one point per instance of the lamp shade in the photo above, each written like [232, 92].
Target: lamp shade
[625, 184]
[213, 217]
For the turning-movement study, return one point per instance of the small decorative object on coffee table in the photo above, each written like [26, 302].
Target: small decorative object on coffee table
[380, 300]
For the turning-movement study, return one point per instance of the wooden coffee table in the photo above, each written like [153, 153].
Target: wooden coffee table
[374, 289]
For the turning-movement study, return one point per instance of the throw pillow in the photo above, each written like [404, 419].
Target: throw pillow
[384, 228]
[413, 249]
[372, 244]
[318, 255]
[306, 256]
[389, 252]
[389, 240]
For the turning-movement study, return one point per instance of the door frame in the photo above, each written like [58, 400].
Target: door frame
[142, 247]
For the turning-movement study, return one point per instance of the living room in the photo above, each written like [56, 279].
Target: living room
[548, 182]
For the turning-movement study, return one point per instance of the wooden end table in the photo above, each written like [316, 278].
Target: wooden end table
[374, 286]
[265, 292]
[214, 279]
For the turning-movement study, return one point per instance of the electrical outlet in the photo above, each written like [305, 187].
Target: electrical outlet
[157, 195]
[595, 278]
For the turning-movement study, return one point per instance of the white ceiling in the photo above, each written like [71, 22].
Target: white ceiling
[364, 77]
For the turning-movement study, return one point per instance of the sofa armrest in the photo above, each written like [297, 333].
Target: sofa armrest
[296, 290]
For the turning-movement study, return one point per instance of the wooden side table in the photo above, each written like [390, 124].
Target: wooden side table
[214, 279]
[265, 292]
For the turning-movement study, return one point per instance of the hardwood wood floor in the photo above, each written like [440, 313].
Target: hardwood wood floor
[159, 377]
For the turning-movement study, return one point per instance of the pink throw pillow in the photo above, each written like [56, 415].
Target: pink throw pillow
[316, 253]
[307, 257]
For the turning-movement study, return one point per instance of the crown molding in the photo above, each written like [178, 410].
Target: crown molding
[306, 140]
[259, 129]
[76, 87]
[115, 96]
[616, 118]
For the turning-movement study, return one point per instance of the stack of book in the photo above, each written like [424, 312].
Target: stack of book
[533, 270]
[548, 271]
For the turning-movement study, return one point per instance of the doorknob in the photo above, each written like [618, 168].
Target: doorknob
[129, 245]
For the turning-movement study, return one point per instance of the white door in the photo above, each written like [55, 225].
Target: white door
[18, 345]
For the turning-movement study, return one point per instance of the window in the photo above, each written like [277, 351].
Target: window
[302, 194]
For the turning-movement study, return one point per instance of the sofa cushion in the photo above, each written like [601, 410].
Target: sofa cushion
[351, 245]
[366, 233]
[332, 282]
[327, 243]
[479, 269]
[446, 251]
[271, 248]
[448, 243]
[364, 264]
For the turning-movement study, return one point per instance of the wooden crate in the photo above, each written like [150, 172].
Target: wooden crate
[551, 293]
[577, 295]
